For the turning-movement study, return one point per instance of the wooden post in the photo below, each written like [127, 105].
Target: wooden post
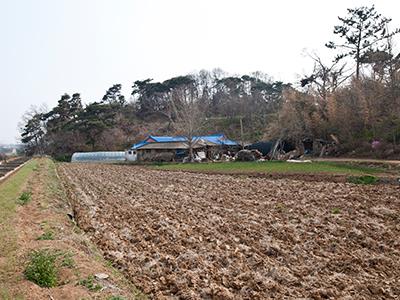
[241, 131]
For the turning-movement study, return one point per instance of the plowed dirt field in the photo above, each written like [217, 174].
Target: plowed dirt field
[180, 235]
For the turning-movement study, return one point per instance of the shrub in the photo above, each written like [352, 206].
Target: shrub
[24, 198]
[245, 155]
[42, 268]
[336, 210]
[366, 179]
[63, 157]
[44, 265]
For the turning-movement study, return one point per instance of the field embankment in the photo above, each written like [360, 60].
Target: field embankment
[197, 236]
[39, 242]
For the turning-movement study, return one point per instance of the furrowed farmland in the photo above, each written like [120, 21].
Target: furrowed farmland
[180, 235]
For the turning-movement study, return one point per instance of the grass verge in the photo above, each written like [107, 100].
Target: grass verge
[274, 167]
[52, 250]
[10, 190]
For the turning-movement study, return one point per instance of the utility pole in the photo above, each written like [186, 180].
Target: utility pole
[241, 131]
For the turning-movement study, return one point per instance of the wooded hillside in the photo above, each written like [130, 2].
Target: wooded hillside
[354, 100]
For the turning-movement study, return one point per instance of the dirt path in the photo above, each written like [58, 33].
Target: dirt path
[197, 236]
[46, 213]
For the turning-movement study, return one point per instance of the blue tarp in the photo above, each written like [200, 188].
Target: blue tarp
[219, 139]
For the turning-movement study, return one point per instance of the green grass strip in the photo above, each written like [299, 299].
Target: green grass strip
[10, 190]
[274, 167]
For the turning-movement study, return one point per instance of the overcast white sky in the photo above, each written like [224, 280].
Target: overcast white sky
[51, 47]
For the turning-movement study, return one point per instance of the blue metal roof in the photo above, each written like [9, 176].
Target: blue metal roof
[219, 139]
[138, 145]
[167, 139]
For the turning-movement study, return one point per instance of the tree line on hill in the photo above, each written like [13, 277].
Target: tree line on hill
[358, 107]
[193, 104]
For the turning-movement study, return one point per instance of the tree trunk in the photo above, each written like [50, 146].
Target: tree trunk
[191, 152]
[241, 132]
[358, 54]
[358, 68]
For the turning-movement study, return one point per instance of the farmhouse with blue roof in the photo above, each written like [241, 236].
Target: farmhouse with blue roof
[170, 148]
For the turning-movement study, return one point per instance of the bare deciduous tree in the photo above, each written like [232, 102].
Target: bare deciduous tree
[33, 129]
[326, 78]
[187, 115]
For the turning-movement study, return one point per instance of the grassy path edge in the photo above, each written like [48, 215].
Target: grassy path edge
[10, 188]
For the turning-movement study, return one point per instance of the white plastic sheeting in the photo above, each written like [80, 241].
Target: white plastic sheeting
[103, 156]
[131, 155]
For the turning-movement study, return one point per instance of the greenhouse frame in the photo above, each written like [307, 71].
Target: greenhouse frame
[100, 156]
